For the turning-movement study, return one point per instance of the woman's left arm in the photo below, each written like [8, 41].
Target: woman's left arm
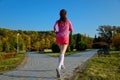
[56, 24]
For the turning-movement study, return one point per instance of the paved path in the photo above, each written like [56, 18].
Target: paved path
[42, 67]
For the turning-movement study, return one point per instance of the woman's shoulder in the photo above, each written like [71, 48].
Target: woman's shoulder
[68, 21]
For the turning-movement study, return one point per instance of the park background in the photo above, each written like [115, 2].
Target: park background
[27, 25]
[30, 22]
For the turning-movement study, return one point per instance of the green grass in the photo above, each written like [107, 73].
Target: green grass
[50, 53]
[11, 63]
[102, 68]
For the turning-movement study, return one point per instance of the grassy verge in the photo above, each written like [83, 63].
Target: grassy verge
[50, 53]
[10, 63]
[57, 54]
[102, 68]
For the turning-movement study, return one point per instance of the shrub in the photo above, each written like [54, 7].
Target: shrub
[34, 49]
[6, 46]
[68, 48]
[89, 46]
[99, 44]
[71, 47]
[1, 46]
[7, 55]
[81, 46]
[55, 48]
[116, 41]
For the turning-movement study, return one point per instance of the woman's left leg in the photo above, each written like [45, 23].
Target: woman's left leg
[59, 59]
[63, 48]
[62, 54]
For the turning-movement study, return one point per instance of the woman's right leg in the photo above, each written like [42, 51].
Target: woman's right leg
[59, 60]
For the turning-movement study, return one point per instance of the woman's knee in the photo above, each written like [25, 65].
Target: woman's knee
[64, 48]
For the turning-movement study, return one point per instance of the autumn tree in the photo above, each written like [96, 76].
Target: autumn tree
[116, 41]
[78, 39]
[106, 33]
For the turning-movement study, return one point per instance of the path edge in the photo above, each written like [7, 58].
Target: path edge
[80, 68]
[17, 67]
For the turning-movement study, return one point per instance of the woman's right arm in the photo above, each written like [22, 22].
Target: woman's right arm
[70, 27]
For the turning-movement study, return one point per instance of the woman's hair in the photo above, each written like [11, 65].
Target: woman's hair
[63, 13]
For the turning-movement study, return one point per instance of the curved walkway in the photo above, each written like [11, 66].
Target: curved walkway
[43, 67]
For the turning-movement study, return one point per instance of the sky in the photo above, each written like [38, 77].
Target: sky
[40, 15]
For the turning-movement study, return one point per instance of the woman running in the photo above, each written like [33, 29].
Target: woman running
[62, 28]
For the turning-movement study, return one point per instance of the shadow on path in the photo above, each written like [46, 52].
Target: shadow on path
[20, 76]
[35, 70]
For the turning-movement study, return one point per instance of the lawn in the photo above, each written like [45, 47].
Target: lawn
[10, 63]
[50, 53]
[102, 68]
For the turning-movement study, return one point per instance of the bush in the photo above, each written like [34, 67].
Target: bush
[68, 48]
[116, 41]
[99, 44]
[81, 46]
[71, 47]
[6, 46]
[7, 55]
[1, 46]
[55, 48]
[34, 49]
[89, 46]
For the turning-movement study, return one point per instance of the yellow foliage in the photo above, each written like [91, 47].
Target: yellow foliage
[116, 41]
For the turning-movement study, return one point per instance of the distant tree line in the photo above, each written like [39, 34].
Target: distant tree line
[38, 40]
[27, 40]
